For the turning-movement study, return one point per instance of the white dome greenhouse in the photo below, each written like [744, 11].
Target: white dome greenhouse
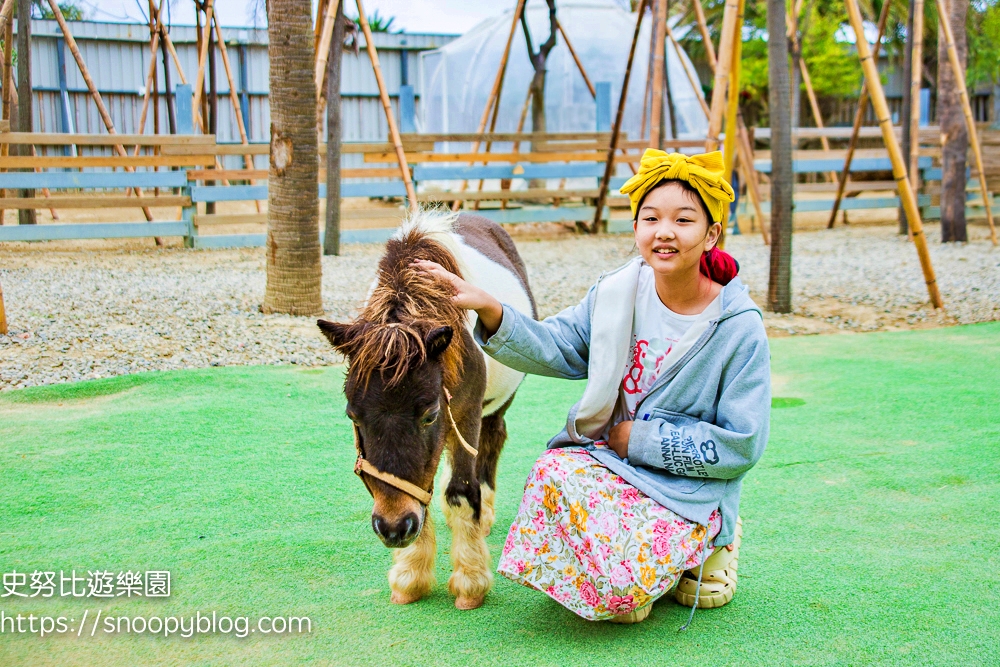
[457, 78]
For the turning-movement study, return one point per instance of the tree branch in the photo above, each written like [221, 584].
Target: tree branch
[527, 37]
[543, 51]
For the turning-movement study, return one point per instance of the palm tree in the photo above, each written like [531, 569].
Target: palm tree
[953, 131]
[779, 288]
[294, 270]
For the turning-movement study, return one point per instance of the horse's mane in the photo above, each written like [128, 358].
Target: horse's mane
[406, 304]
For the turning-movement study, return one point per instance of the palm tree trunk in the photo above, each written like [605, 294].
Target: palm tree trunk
[294, 270]
[779, 288]
[954, 134]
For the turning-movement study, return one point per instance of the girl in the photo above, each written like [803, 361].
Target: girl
[645, 479]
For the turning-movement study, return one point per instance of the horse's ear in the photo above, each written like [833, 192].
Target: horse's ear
[437, 341]
[338, 334]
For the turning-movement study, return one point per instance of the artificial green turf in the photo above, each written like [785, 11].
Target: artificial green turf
[871, 522]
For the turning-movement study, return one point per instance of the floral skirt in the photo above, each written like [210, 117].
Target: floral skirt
[593, 542]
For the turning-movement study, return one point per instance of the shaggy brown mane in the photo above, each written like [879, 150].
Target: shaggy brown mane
[404, 307]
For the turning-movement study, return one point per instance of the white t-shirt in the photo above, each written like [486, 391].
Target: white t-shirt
[659, 338]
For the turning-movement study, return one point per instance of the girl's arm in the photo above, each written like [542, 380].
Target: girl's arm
[722, 450]
[558, 346]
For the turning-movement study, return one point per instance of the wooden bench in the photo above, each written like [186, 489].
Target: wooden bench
[974, 206]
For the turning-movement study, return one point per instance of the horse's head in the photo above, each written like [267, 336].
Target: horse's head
[395, 397]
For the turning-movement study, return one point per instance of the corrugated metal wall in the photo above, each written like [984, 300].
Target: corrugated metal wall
[117, 57]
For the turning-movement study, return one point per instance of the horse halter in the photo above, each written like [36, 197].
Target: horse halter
[363, 467]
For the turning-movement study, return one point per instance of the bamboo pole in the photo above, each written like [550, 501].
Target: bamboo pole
[323, 53]
[199, 80]
[505, 182]
[692, 77]
[792, 31]
[6, 28]
[609, 164]
[234, 99]
[5, 13]
[173, 54]
[745, 159]
[154, 44]
[906, 193]
[722, 67]
[85, 73]
[321, 9]
[744, 135]
[10, 99]
[656, 107]
[970, 123]
[498, 80]
[917, 73]
[576, 59]
[495, 90]
[384, 94]
[745, 156]
[489, 145]
[586, 80]
[706, 38]
[8, 84]
[859, 117]
[646, 94]
[732, 100]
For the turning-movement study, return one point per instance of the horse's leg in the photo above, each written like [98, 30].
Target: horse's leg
[412, 574]
[472, 570]
[492, 437]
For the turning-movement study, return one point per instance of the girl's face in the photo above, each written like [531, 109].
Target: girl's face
[672, 231]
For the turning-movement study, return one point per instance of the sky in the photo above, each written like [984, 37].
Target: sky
[435, 16]
[432, 16]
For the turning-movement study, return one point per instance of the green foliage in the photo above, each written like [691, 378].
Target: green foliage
[70, 9]
[984, 43]
[377, 22]
[833, 66]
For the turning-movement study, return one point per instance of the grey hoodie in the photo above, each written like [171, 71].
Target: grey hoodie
[702, 425]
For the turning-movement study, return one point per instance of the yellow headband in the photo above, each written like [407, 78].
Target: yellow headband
[705, 173]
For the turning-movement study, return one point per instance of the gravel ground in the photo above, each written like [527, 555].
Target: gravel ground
[82, 314]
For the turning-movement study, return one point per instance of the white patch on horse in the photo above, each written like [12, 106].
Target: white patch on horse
[412, 574]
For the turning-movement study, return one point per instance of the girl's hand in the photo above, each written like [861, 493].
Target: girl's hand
[467, 296]
[618, 438]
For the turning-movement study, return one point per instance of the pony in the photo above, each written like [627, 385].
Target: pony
[419, 387]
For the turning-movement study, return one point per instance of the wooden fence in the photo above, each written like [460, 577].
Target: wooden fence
[179, 185]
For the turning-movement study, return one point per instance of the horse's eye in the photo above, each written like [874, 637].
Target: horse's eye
[429, 418]
[352, 416]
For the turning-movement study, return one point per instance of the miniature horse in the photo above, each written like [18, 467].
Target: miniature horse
[418, 384]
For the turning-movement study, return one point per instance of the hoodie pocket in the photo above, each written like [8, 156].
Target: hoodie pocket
[686, 485]
[675, 418]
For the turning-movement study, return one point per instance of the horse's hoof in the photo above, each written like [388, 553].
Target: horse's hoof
[403, 598]
[466, 603]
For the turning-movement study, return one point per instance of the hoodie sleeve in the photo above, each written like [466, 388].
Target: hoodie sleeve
[558, 346]
[727, 448]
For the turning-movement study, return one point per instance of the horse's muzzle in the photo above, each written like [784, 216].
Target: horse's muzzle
[398, 534]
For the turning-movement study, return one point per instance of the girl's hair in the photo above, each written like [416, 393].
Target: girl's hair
[717, 264]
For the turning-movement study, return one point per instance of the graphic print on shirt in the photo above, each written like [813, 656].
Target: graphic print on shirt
[647, 363]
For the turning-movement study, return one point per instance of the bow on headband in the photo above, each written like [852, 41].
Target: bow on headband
[705, 172]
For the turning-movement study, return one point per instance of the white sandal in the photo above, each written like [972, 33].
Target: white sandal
[718, 577]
